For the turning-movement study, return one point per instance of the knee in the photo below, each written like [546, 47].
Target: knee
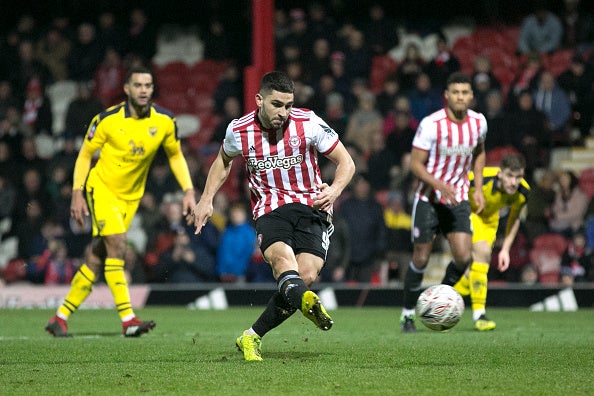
[115, 245]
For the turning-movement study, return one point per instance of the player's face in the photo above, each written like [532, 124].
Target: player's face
[509, 180]
[274, 108]
[139, 89]
[459, 96]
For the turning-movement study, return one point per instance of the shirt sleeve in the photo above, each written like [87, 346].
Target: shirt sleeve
[231, 144]
[324, 137]
[424, 137]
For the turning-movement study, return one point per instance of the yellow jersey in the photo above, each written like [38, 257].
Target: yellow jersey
[495, 199]
[127, 147]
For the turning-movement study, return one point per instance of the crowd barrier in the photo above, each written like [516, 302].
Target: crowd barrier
[221, 296]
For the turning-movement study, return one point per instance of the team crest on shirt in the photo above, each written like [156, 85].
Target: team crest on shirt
[152, 131]
[91, 132]
[294, 141]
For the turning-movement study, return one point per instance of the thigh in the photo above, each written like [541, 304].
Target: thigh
[109, 214]
[484, 230]
[454, 219]
[425, 222]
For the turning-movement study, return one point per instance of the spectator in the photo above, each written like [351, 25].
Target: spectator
[410, 67]
[178, 264]
[231, 110]
[321, 24]
[363, 123]
[578, 81]
[482, 65]
[81, 109]
[442, 65]
[530, 133]
[500, 134]
[109, 32]
[217, 43]
[141, 35]
[27, 68]
[576, 259]
[37, 109]
[398, 223]
[541, 30]
[379, 30]
[109, 79]
[526, 78]
[400, 137]
[86, 54]
[578, 26]
[27, 225]
[53, 51]
[390, 91]
[237, 245]
[230, 84]
[380, 162]
[569, 209]
[539, 203]
[65, 157]
[7, 98]
[54, 266]
[8, 197]
[342, 82]
[364, 216]
[554, 103]
[318, 64]
[357, 56]
[424, 97]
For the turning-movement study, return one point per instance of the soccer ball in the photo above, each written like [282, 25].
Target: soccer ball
[440, 307]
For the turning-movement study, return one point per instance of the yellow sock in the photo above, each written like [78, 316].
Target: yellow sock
[116, 280]
[478, 285]
[80, 288]
[463, 286]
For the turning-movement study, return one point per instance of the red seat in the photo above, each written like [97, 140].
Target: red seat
[495, 155]
[546, 253]
[550, 241]
[586, 180]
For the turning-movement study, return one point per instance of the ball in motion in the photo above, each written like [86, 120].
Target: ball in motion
[440, 307]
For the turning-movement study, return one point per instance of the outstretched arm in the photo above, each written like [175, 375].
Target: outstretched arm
[218, 173]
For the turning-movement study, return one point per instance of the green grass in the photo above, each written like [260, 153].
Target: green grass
[193, 353]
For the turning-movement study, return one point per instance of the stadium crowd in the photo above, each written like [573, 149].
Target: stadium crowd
[332, 61]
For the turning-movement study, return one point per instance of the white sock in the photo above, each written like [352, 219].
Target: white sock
[407, 312]
[477, 314]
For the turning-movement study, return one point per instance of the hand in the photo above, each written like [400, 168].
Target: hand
[479, 200]
[188, 203]
[503, 260]
[325, 197]
[201, 213]
[78, 207]
[448, 194]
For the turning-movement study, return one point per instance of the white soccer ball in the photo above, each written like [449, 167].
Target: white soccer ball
[440, 307]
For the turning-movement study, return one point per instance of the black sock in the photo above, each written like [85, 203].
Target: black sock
[412, 286]
[453, 273]
[276, 312]
[292, 287]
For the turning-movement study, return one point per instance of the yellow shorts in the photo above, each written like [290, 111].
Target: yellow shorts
[110, 215]
[484, 229]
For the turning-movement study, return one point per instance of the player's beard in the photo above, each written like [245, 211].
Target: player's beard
[138, 108]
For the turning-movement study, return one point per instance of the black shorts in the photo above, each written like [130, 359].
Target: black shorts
[431, 218]
[305, 229]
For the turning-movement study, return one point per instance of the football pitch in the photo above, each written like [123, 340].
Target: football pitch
[192, 352]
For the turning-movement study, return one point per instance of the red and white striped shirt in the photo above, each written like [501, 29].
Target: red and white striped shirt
[450, 145]
[282, 164]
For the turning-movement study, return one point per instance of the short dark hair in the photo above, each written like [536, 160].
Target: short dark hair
[458, 78]
[140, 70]
[513, 161]
[276, 81]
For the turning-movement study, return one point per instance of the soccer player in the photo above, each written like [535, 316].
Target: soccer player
[291, 204]
[447, 145]
[128, 135]
[503, 187]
